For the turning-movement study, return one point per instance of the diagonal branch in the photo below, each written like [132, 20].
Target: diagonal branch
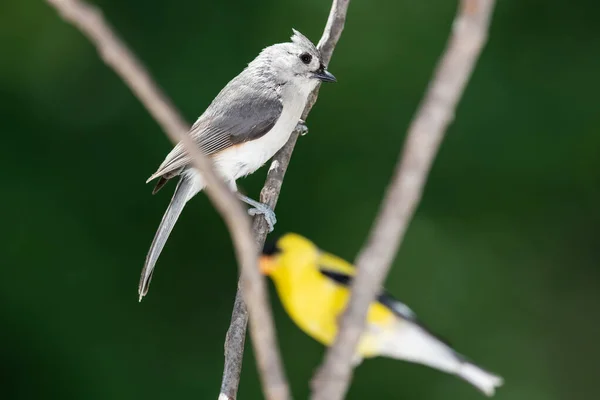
[114, 52]
[470, 30]
[234, 341]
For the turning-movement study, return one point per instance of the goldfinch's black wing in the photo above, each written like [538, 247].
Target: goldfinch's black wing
[251, 112]
[384, 298]
[337, 277]
[395, 306]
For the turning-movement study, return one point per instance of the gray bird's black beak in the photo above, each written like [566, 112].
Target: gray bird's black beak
[323, 75]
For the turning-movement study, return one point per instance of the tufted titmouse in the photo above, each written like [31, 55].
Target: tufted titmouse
[245, 125]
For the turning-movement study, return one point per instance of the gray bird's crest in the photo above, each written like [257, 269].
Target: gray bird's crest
[303, 41]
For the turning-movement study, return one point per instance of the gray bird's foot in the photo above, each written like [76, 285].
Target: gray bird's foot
[260, 208]
[268, 213]
[302, 128]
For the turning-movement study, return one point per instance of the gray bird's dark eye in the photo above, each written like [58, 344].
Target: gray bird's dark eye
[306, 58]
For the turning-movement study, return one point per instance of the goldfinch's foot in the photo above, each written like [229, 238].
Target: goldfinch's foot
[268, 213]
[302, 128]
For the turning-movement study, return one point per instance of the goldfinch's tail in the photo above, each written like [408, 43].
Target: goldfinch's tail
[411, 342]
[481, 379]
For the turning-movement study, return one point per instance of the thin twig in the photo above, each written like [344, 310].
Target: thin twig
[470, 30]
[234, 342]
[114, 52]
[236, 333]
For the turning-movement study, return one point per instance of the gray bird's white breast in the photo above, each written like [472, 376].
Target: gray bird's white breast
[244, 159]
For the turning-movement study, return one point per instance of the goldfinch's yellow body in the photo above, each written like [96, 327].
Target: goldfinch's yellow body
[313, 288]
[314, 301]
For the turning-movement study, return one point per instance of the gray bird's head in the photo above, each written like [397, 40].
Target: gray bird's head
[299, 62]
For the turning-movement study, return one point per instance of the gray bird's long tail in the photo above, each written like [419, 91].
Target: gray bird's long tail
[180, 197]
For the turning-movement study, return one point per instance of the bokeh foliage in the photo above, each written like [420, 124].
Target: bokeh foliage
[502, 257]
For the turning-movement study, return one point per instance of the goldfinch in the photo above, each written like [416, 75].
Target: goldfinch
[313, 287]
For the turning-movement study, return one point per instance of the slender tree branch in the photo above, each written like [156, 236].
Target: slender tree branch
[470, 30]
[234, 342]
[114, 52]
[331, 33]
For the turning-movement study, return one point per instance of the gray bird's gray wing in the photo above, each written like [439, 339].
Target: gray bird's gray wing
[240, 113]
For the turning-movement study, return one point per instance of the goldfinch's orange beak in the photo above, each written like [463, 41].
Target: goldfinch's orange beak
[266, 264]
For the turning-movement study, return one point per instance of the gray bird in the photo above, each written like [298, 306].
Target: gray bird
[245, 125]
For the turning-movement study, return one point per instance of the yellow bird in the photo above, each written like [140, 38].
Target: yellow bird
[313, 287]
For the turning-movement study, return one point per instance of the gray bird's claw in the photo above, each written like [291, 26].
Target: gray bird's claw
[302, 128]
[260, 208]
[268, 213]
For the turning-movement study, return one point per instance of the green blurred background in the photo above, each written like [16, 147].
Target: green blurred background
[501, 258]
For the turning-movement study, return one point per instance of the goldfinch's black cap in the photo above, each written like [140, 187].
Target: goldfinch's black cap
[270, 248]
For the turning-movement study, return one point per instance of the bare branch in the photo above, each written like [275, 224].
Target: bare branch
[234, 343]
[114, 52]
[332, 32]
[425, 134]
[235, 340]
